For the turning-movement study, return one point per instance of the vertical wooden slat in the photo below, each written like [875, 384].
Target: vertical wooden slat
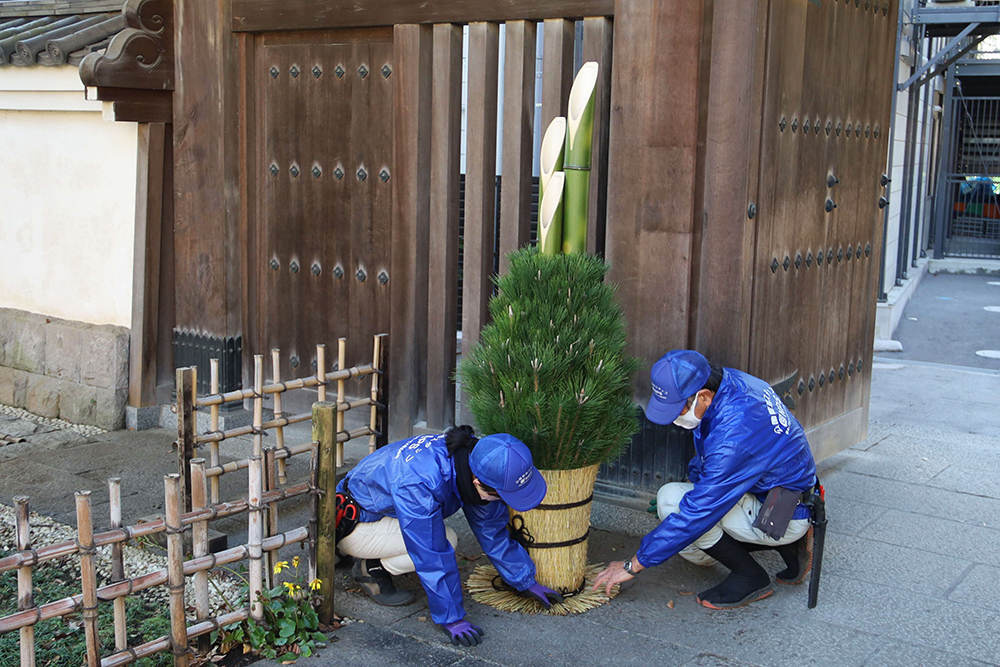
[117, 561]
[445, 152]
[25, 596]
[326, 503]
[557, 69]
[518, 140]
[185, 422]
[341, 397]
[199, 547]
[213, 448]
[598, 41]
[378, 354]
[175, 568]
[88, 576]
[480, 185]
[411, 211]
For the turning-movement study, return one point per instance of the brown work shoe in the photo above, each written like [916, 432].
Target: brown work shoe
[798, 557]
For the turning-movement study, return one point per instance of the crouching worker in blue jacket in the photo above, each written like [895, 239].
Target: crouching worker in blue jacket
[750, 452]
[394, 504]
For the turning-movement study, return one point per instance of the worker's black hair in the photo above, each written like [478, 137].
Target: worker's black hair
[459, 437]
[714, 379]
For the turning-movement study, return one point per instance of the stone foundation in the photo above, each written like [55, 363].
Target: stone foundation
[59, 368]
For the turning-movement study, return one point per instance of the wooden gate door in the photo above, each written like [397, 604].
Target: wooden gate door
[324, 192]
[827, 97]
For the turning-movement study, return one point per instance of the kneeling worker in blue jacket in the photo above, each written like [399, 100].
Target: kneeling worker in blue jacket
[400, 496]
[749, 449]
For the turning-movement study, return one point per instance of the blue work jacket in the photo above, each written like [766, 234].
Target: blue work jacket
[747, 442]
[414, 481]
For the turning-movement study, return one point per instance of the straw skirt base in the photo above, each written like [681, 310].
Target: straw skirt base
[480, 586]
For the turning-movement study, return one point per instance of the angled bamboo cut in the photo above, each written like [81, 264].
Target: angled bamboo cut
[550, 166]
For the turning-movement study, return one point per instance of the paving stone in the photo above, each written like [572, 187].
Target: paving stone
[105, 361]
[972, 481]
[13, 386]
[955, 449]
[42, 396]
[980, 588]
[951, 538]
[25, 336]
[64, 350]
[907, 467]
[849, 517]
[56, 438]
[18, 428]
[709, 660]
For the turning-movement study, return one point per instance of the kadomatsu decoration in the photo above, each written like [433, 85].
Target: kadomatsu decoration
[551, 369]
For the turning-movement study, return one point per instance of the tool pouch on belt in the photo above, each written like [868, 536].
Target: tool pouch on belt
[777, 511]
[348, 514]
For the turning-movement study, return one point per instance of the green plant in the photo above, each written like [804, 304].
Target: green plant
[551, 368]
[290, 623]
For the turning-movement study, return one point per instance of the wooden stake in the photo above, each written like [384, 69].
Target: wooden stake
[326, 503]
[255, 534]
[258, 404]
[213, 451]
[270, 526]
[88, 576]
[25, 596]
[278, 414]
[117, 561]
[185, 427]
[199, 547]
[376, 395]
[175, 569]
[341, 362]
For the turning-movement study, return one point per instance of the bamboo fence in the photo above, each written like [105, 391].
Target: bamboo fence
[197, 484]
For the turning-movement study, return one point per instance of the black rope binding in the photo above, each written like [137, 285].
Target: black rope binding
[566, 506]
[520, 534]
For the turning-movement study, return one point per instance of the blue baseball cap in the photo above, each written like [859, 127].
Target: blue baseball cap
[504, 463]
[676, 377]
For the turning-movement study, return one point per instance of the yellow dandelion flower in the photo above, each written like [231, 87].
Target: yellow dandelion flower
[280, 565]
[315, 584]
[295, 562]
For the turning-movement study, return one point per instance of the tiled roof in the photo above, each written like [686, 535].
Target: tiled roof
[55, 38]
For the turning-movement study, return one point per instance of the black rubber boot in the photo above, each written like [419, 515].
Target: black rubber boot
[375, 581]
[746, 583]
[798, 560]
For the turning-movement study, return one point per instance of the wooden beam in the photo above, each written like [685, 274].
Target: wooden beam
[598, 41]
[446, 145]
[411, 213]
[655, 110]
[144, 336]
[480, 185]
[557, 69]
[518, 139]
[268, 15]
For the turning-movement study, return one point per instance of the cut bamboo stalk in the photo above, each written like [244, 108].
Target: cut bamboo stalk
[88, 576]
[25, 594]
[313, 511]
[299, 383]
[186, 401]
[110, 592]
[550, 216]
[258, 404]
[321, 371]
[199, 547]
[213, 451]
[341, 360]
[278, 413]
[326, 503]
[270, 526]
[284, 421]
[163, 643]
[376, 363]
[117, 561]
[550, 159]
[576, 163]
[255, 537]
[175, 568]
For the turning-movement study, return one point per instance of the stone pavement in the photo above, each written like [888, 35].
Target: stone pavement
[911, 576]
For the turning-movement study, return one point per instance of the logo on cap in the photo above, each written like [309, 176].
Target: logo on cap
[659, 392]
[523, 479]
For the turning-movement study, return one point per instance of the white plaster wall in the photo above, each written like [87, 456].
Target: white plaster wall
[67, 200]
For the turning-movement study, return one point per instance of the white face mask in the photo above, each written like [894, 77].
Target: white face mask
[687, 419]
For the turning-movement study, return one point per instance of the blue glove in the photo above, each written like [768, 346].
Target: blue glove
[543, 594]
[464, 633]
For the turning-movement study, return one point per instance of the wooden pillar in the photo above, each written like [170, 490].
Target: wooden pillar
[598, 40]
[411, 213]
[557, 69]
[656, 100]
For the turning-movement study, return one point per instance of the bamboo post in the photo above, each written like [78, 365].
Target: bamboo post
[25, 595]
[577, 160]
[278, 413]
[270, 526]
[255, 537]
[185, 426]
[199, 547]
[321, 372]
[213, 450]
[313, 508]
[175, 569]
[117, 561]
[326, 504]
[341, 362]
[88, 576]
[258, 404]
[376, 365]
